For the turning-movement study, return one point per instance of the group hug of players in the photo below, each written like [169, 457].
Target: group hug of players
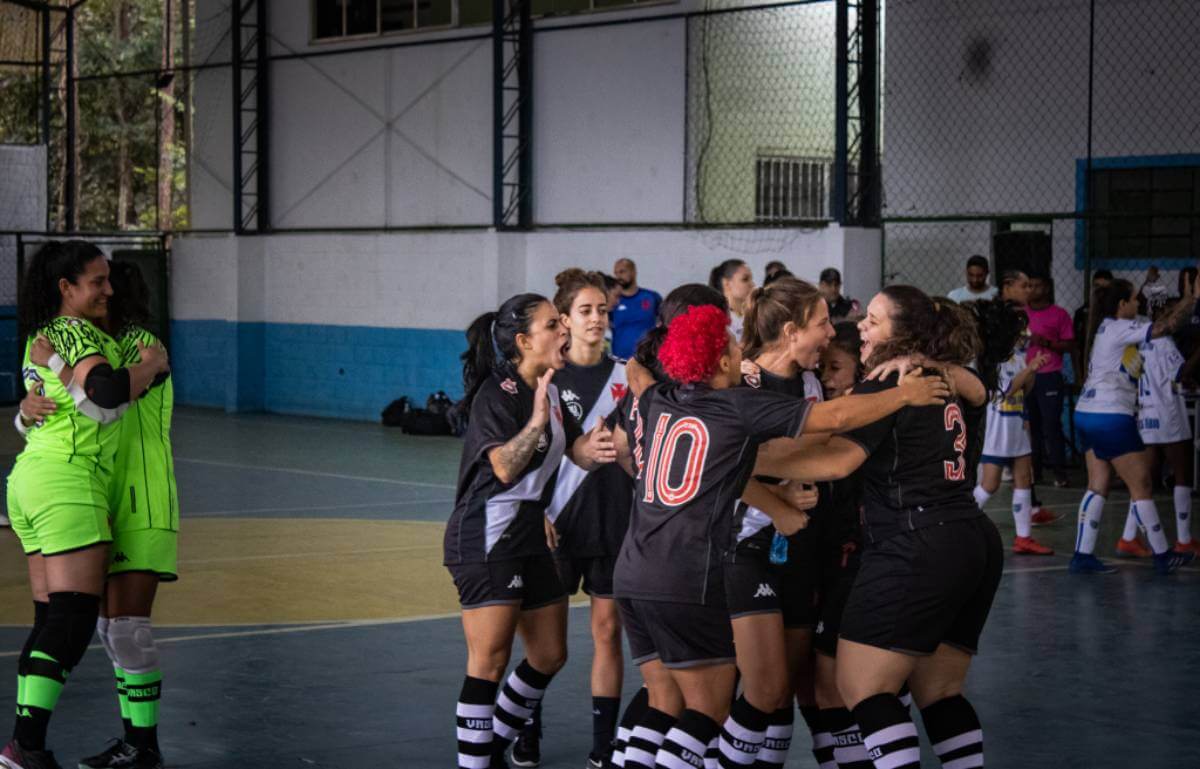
[763, 535]
[92, 495]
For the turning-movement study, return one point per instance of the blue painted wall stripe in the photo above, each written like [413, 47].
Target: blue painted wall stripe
[349, 372]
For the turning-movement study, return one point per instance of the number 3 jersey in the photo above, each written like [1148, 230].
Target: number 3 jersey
[916, 472]
[697, 450]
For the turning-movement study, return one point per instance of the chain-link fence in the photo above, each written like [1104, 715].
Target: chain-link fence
[1016, 129]
[761, 115]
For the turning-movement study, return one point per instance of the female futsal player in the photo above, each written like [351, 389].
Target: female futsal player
[1106, 424]
[58, 489]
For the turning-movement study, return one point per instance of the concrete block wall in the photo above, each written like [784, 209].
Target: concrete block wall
[341, 325]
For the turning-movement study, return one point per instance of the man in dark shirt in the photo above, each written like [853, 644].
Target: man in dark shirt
[635, 313]
[840, 307]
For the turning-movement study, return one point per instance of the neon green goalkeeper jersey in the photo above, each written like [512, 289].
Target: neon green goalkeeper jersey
[144, 492]
[67, 432]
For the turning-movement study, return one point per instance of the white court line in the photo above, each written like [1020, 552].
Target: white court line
[314, 473]
[325, 554]
[324, 507]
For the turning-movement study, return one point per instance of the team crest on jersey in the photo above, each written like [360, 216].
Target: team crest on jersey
[509, 386]
[618, 391]
[543, 443]
[753, 380]
[573, 404]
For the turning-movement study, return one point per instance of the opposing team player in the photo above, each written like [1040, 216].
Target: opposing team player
[1105, 420]
[1163, 425]
[495, 544]
[1008, 373]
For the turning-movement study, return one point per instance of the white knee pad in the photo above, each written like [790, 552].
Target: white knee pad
[102, 632]
[132, 643]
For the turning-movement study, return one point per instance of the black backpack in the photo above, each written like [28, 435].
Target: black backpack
[396, 413]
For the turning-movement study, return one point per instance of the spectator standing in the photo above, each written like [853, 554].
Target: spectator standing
[635, 312]
[840, 307]
[977, 282]
[1051, 334]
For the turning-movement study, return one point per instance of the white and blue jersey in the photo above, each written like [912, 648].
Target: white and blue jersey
[1162, 412]
[1007, 434]
[1105, 415]
[1115, 367]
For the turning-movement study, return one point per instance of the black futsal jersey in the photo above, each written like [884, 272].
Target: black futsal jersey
[697, 451]
[916, 473]
[752, 528]
[590, 510]
[493, 520]
[976, 418]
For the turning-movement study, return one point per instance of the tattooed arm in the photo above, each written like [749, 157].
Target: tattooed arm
[509, 459]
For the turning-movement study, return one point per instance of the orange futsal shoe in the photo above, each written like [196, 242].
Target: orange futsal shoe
[1042, 517]
[1030, 546]
[1189, 547]
[1132, 548]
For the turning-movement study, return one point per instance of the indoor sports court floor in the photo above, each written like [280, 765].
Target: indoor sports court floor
[314, 625]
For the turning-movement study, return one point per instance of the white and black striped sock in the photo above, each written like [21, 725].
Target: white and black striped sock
[778, 739]
[474, 711]
[632, 716]
[742, 735]
[687, 742]
[646, 738]
[888, 733]
[954, 729]
[521, 694]
[848, 749]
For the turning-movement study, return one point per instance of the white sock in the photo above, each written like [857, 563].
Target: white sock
[1131, 524]
[981, 496]
[1183, 513]
[1023, 511]
[1091, 508]
[1147, 515]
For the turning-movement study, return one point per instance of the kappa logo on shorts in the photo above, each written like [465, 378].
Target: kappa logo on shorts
[820, 627]
[516, 583]
[509, 386]
[764, 591]
[120, 557]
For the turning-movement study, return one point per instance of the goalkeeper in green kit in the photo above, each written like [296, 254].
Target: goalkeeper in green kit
[92, 496]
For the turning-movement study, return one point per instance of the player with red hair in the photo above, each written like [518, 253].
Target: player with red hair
[696, 454]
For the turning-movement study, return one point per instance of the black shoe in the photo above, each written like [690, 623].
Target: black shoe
[15, 757]
[148, 758]
[527, 750]
[118, 754]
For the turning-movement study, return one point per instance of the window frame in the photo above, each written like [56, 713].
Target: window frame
[455, 20]
[1131, 163]
[823, 195]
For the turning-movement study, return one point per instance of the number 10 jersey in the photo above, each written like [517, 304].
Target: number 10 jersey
[696, 451]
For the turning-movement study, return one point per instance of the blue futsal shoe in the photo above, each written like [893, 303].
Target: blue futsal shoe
[1086, 563]
[1171, 561]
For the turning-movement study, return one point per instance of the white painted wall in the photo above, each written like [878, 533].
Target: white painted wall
[444, 280]
[609, 124]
